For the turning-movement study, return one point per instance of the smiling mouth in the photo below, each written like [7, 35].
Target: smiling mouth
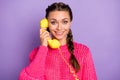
[59, 33]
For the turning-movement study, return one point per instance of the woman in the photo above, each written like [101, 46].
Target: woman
[74, 62]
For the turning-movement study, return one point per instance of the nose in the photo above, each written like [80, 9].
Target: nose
[59, 26]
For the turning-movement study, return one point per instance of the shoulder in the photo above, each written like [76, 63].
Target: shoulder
[33, 53]
[81, 48]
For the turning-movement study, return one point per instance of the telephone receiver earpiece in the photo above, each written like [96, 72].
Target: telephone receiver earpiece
[53, 43]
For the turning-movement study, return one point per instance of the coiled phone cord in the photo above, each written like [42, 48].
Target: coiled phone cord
[70, 67]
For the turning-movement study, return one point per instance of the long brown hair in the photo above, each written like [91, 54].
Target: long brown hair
[64, 7]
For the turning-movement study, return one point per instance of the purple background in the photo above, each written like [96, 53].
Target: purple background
[96, 23]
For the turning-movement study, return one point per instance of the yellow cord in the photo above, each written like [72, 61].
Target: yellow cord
[71, 69]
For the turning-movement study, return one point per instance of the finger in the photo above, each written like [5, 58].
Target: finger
[44, 35]
[42, 30]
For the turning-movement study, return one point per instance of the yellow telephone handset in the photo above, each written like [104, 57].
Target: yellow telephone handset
[53, 43]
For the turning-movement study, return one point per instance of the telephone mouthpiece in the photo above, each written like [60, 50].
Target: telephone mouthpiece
[54, 43]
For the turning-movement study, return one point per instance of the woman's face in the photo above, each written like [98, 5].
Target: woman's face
[59, 24]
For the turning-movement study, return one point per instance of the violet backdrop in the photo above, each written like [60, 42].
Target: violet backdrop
[96, 23]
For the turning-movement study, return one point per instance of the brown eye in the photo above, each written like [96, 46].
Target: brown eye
[65, 22]
[53, 22]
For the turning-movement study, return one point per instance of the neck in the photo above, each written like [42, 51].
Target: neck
[63, 42]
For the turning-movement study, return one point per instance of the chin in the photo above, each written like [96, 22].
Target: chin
[59, 37]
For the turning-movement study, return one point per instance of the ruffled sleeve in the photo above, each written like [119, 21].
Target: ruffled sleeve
[35, 70]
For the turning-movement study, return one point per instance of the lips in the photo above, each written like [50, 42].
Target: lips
[59, 33]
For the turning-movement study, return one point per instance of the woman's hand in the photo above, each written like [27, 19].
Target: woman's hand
[44, 36]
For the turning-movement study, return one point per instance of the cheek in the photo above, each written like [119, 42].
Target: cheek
[51, 29]
[67, 28]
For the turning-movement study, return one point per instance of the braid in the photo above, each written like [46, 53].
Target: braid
[73, 60]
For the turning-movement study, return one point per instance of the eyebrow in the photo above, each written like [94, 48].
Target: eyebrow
[62, 19]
